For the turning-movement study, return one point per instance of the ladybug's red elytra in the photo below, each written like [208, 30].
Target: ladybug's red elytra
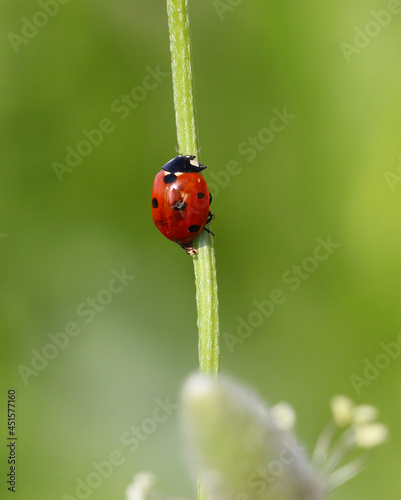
[180, 201]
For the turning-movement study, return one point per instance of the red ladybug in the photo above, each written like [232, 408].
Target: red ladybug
[180, 201]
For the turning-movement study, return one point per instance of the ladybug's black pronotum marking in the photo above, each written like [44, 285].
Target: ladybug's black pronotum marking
[194, 228]
[183, 164]
[154, 203]
[179, 205]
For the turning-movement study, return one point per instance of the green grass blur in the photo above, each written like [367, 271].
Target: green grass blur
[332, 170]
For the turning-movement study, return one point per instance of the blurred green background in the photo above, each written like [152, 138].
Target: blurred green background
[332, 170]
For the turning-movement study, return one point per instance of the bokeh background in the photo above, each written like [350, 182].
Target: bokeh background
[332, 170]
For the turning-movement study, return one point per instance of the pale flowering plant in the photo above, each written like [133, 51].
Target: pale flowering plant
[243, 450]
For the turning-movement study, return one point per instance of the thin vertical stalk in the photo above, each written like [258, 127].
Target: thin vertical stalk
[204, 261]
[180, 48]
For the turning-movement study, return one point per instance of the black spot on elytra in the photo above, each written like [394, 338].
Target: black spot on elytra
[168, 179]
[194, 228]
[154, 203]
[179, 205]
[201, 195]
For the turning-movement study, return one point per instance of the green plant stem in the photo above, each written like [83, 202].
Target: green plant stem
[204, 261]
[208, 305]
[180, 48]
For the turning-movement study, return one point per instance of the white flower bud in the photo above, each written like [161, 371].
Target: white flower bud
[370, 435]
[341, 407]
[141, 485]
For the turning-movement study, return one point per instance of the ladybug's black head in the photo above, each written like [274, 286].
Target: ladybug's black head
[183, 163]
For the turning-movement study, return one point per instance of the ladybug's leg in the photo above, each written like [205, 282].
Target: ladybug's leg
[189, 248]
[210, 217]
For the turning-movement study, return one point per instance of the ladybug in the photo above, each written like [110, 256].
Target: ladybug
[180, 201]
